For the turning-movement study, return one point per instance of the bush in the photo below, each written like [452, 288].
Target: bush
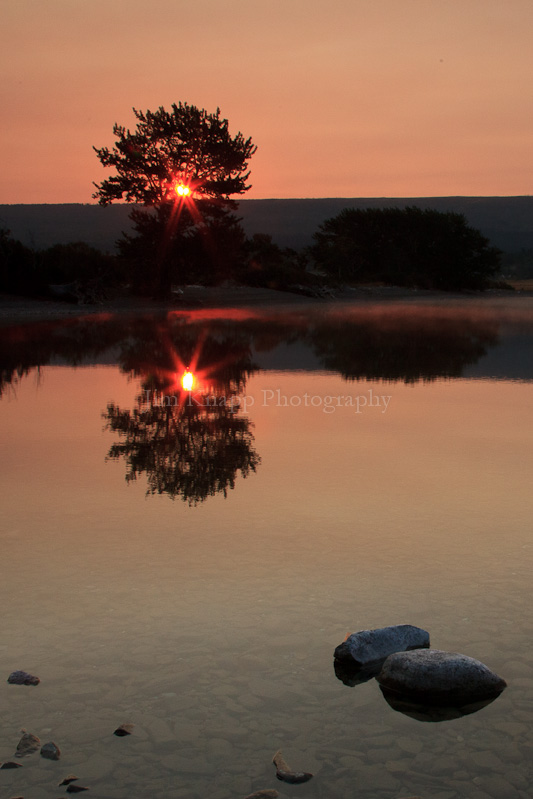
[405, 247]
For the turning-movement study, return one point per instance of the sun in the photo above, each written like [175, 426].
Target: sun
[182, 190]
[187, 381]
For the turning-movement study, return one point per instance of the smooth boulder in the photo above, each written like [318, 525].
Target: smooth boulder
[435, 677]
[369, 646]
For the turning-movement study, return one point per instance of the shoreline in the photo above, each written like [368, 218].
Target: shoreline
[24, 310]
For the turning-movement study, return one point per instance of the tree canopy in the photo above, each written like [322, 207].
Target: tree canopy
[406, 247]
[186, 146]
[184, 166]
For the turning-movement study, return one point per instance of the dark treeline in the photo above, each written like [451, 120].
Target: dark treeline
[74, 272]
[210, 255]
[206, 244]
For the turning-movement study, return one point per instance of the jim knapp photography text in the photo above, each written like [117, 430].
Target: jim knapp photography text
[275, 398]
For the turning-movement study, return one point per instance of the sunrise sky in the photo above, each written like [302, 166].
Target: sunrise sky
[344, 98]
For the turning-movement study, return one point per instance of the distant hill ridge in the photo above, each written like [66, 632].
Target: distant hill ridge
[506, 221]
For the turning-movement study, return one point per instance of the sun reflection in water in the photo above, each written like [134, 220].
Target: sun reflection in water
[187, 381]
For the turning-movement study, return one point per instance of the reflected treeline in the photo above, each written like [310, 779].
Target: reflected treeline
[403, 346]
[192, 446]
[393, 343]
[73, 341]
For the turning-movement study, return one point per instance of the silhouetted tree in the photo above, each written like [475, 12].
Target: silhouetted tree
[187, 249]
[407, 247]
[185, 165]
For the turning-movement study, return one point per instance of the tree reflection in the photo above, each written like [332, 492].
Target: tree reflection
[401, 345]
[187, 448]
[189, 444]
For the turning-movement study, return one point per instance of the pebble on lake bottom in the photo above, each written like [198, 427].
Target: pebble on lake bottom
[11, 764]
[286, 774]
[27, 745]
[75, 788]
[279, 761]
[23, 678]
[51, 751]
[70, 778]
[124, 729]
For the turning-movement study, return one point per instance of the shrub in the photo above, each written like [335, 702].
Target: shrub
[406, 247]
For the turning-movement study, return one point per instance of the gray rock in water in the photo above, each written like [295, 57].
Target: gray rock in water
[435, 677]
[368, 646]
[23, 678]
[50, 751]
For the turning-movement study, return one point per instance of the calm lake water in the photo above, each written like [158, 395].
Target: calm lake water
[188, 562]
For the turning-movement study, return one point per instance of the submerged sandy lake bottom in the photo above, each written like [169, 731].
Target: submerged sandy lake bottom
[211, 626]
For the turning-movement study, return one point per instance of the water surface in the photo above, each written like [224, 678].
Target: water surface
[191, 566]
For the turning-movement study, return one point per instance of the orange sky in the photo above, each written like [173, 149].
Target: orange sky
[344, 98]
